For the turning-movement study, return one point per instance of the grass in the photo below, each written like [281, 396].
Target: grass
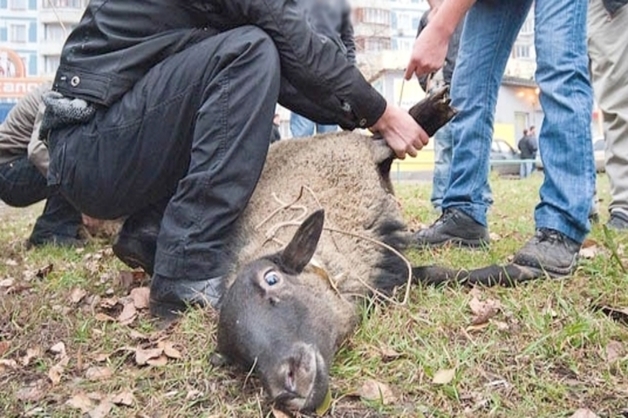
[546, 353]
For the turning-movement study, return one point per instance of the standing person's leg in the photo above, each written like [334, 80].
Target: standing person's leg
[442, 165]
[300, 126]
[489, 32]
[565, 137]
[22, 184]
[197, 128]
[323, 129]
[608, 49]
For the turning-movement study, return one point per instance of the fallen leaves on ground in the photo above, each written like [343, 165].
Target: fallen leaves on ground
[584, 413]
[482, 310]
[590, 249]
[373, 390]
[614, 351]
[444, 376]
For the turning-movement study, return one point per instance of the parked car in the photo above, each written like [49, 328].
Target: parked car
[599, 145]
[504, 158]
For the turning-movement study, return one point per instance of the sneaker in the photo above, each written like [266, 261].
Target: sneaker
[618, 221]
[168, 297]
[453, 227]
[549, 251]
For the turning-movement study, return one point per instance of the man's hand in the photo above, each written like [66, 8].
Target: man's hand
[428, 53]
[401, 132]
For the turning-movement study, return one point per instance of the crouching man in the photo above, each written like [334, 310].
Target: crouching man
[162, 112]
[23, 166]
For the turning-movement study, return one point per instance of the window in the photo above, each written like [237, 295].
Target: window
[64, 4]
[51, 63]
[522, 51]
[528, 27]
[18, 34]
[404, 21]
[55, 32]
[374, 16]
[18, 4]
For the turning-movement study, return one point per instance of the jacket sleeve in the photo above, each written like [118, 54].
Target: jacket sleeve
[317, 69]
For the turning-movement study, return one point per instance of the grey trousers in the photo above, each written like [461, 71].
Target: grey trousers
[608, 50]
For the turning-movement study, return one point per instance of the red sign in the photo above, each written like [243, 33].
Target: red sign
[13, 81]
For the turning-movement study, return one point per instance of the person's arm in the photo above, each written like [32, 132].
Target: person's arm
[320, 71]
[430, 48]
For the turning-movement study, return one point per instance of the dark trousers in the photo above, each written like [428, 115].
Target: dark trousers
[194, 131]
[22, 184]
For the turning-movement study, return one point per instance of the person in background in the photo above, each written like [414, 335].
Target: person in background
[608, 51]
[490, 29]
[330, 19]
[23, 167]
[528, 147]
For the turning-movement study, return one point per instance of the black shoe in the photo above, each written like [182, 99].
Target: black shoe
[171, 296]
[618, 221]
[549, 251]
[54, 240]
[453, 227]
[136, 244]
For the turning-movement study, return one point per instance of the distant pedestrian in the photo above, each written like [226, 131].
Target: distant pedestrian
[528, 146]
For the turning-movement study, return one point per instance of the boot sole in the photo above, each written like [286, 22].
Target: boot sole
[473, 244]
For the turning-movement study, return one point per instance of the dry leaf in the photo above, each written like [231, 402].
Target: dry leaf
[142, 356]
[11, 263]
[278, 413]
[102, 410]
[494, 237]
[100, 357]
[376, 391]
[389, 354]
[98, 373]
[77, 295]
[477, 327]
[6, 363]
[483, 310]
[157, 362]
[80, 401]
[128, 314]
[591, 252]
[44, 271]
[193, 394]
[140, 297]
[31, 353]
[125, 398]
[136, 335]
[169, 349]
[101, 317]
[33, 392]
[584, 413]
[444, 376]
[108, 303]
[502, 326]
[54, 374]
[6, 282]
[614, 351]
[4, 347]
[58, 348]
[126, 278]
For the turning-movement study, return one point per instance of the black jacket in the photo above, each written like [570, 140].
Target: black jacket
[613, 6]
[118, 41]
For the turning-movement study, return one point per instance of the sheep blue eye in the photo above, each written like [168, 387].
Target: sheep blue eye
[271, 278]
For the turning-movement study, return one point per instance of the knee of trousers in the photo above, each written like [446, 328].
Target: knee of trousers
[258, 43]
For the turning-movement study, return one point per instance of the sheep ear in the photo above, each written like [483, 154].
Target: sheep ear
[301, 248]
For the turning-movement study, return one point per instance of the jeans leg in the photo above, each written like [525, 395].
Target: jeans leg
[566, 99]
[442, 164]
[300, 126]
[489, 32]
[323, 129]
[196, 128]
[608, 49]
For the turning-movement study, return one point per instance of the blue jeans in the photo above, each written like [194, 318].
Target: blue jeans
[565, 95]
[443, 148]
[526, 168]
[300, 126]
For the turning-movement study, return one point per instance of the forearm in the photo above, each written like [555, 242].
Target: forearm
[449, 14]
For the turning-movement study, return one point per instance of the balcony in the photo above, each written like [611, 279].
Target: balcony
[50, 15]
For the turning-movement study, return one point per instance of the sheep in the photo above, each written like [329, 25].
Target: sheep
[291, 298]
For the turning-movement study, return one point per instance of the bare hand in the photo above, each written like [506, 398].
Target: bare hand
[428, 53]
[401, 132]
